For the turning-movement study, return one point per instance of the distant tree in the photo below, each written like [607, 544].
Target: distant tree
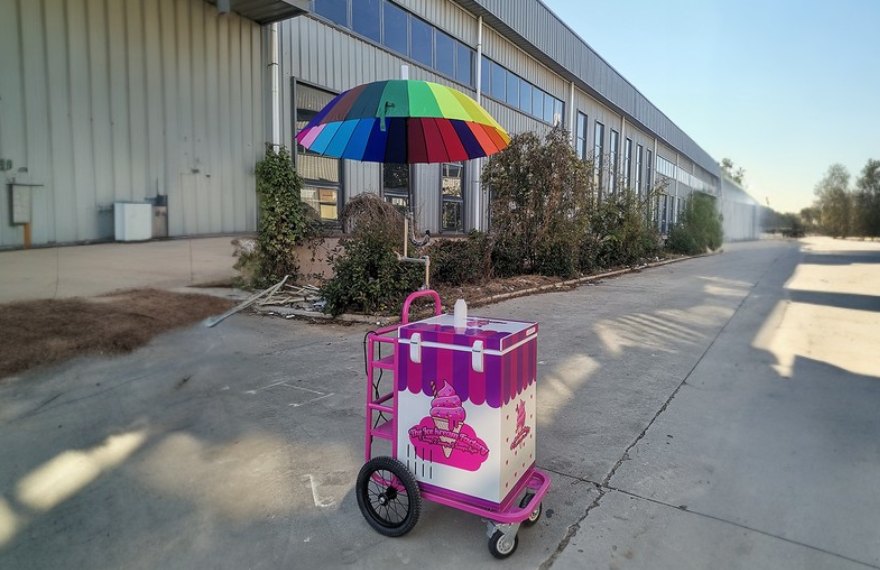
[737, 174]
[810, 218]
[834, 200]
[866, 200]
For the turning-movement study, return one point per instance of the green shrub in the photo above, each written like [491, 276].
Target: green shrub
[368, 278]
[541, 194]
[621, 234]
[700, 227]
[461, 261]
[284, 221]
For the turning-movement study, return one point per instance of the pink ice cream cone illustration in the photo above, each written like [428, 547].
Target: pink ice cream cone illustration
[448, 416]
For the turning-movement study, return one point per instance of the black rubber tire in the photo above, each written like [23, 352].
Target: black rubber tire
[535, 516]
[499, 548]
[370, 496]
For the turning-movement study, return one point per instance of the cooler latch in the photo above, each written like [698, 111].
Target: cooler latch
[415, 348]
[477, 356]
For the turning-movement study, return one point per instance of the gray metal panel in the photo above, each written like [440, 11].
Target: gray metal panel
[426, 189]
[267, 11]
[106, 101]
[538, 31]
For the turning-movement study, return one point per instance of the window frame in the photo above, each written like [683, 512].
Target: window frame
[311, 182]
[599, 154]
[451, 199]
[613, 160]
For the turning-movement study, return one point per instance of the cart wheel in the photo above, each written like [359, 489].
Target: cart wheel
[388, 496]
[535, 515]
[501, 545]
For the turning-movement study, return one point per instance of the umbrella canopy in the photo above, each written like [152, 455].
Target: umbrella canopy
[405, 122]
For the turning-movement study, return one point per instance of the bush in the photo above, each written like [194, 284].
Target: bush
[284, 221]
[700, 227]
[621, 234]
[541, 194]
[367, 275]
[461, 261]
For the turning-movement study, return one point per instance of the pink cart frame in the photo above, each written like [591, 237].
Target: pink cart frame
[509, 513]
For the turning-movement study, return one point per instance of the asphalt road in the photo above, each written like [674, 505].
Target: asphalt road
[715, 413]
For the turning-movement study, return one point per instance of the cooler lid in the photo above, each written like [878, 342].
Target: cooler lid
[496, 334]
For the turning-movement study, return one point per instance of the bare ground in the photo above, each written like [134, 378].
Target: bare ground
[37, 333]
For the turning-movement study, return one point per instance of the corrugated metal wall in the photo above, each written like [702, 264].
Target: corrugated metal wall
[114, 100]
[741, 213]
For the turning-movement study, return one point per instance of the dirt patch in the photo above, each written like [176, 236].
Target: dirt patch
[478, 292]
[37, 333]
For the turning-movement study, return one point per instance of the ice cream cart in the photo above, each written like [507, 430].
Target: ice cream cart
[456, 398]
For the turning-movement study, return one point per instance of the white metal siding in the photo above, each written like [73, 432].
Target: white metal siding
[109, 100]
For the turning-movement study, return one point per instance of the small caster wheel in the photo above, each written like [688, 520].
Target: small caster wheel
[388, 496]
[535, 515]
[501, 545]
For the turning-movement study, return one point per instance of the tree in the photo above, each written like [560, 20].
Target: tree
[834, 201]
[866, 200]
[736, 175]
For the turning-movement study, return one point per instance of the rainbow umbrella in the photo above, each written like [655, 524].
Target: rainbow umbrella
[404, 122]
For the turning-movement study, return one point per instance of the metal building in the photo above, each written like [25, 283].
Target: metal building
[173, 101]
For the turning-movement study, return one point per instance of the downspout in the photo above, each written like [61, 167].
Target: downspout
[275, 73]
[478, 186]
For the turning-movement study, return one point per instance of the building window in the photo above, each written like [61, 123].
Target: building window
[507, 87]
[525, 97]
[627, 161]
[334, 10]
[649, 172]
[464, 64]
[664, 212]
[452, 197]
[444, 51]
[613, 166]
[599, 155]
[365, 18]
[640, 151]
[395, 185]
[322, 188]
[422, 41]
[581, 136]
[499, 81]
[395, 28]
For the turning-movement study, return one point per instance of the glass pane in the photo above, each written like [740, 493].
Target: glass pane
[499, 81]
[513, 89]
[537, 102]
[445, 50]
[464, 64]
[318, 168]
[558, 111]
[333, 10]
[451, 179]
[422, 41]
[452, 219]
[548, 108]
[525, 96]
[395, 28]
[395, 176]
[365, 18]
[486, 77]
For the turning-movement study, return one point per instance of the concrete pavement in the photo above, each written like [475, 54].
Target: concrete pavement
[87, 270]
[693, 415]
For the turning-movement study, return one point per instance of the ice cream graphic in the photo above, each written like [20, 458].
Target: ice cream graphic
[448, 416]
[522, 430]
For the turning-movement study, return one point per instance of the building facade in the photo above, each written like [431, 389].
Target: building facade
[173, 101]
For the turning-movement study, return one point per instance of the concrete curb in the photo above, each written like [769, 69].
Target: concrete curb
[288, 313]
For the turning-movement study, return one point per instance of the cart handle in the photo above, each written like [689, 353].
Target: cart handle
[438, 306]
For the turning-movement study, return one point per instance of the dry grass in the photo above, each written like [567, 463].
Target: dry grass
[37, 333]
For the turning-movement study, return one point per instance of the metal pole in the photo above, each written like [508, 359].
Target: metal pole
[478, 164]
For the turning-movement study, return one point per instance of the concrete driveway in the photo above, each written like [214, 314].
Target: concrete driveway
[716, 413]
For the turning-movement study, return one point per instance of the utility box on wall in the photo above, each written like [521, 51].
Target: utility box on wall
[133, 221]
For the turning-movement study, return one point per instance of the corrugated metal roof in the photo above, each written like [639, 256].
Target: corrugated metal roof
[267, 11]
[533, 27]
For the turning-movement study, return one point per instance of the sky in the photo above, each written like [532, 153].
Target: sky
[784, 88]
